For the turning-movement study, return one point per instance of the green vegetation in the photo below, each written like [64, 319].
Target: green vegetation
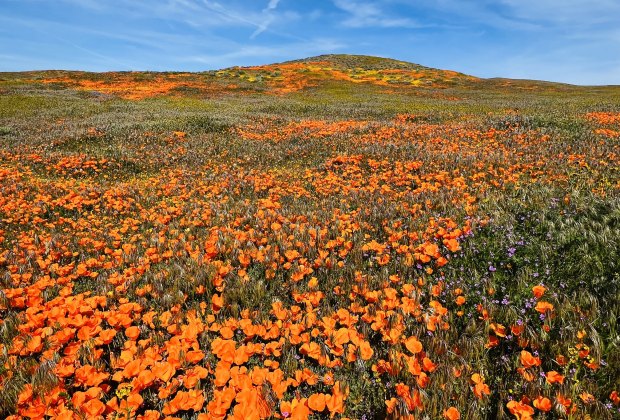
[341, 236]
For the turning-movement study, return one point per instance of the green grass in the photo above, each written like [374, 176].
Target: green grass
[521, 163]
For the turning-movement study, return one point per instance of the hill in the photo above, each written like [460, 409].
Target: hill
[324, 72]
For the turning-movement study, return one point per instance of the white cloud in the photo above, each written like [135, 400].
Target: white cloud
[269, 17]
[364, 14]
[580, 12]
[273, 4]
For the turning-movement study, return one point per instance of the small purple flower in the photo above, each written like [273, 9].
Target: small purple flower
[492, 269]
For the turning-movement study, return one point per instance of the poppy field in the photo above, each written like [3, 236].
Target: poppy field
[337, 237]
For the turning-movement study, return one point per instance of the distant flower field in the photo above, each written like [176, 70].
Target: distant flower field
[337, 242]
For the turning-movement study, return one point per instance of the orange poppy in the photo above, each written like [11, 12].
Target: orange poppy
[538, 291]
[163, 371]
[93, 408]
[520, 410]
[316, 402]
[366, 351]
[132, 333]
[543, 403]
[528, 360]
[413, 345]
[452, 414]
[554, 377]
[544, 307]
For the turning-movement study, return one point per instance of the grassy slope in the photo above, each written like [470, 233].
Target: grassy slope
[541, 179]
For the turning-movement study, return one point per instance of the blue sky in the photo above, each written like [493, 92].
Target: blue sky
[574, 41]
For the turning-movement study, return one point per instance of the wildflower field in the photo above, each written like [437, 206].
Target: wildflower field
[337, 237]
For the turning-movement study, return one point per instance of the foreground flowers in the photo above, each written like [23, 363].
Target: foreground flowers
[354, 282]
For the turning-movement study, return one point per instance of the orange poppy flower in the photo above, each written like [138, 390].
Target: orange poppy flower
[35, 344]
[452, 244]
[163, 371]
[366, 350]
[217, 302]
[526, 374]
[587, 398]
[528, 360]
[335, 404]
[92, 408]
[285, 409]
[561, 399]
[316, 402]
[517, 330]
[480, 388]
[132, 403]
[413, 345]
[428, 365]
[311, 349]
[554, 377]
[190, 400]
[90, 376]
[520, 410]
[132, 333]
[452, 414]
[543, 403]
[538, 291]
[544, 307]
[149, 415]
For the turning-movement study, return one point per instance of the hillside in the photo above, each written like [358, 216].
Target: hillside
[325, 72]
[328, 238]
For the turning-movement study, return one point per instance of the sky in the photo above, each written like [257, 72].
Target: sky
[572, 41]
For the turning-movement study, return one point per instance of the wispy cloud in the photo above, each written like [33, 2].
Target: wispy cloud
[51, 36]
[273, 4]
[579, 12]
[364, 14]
